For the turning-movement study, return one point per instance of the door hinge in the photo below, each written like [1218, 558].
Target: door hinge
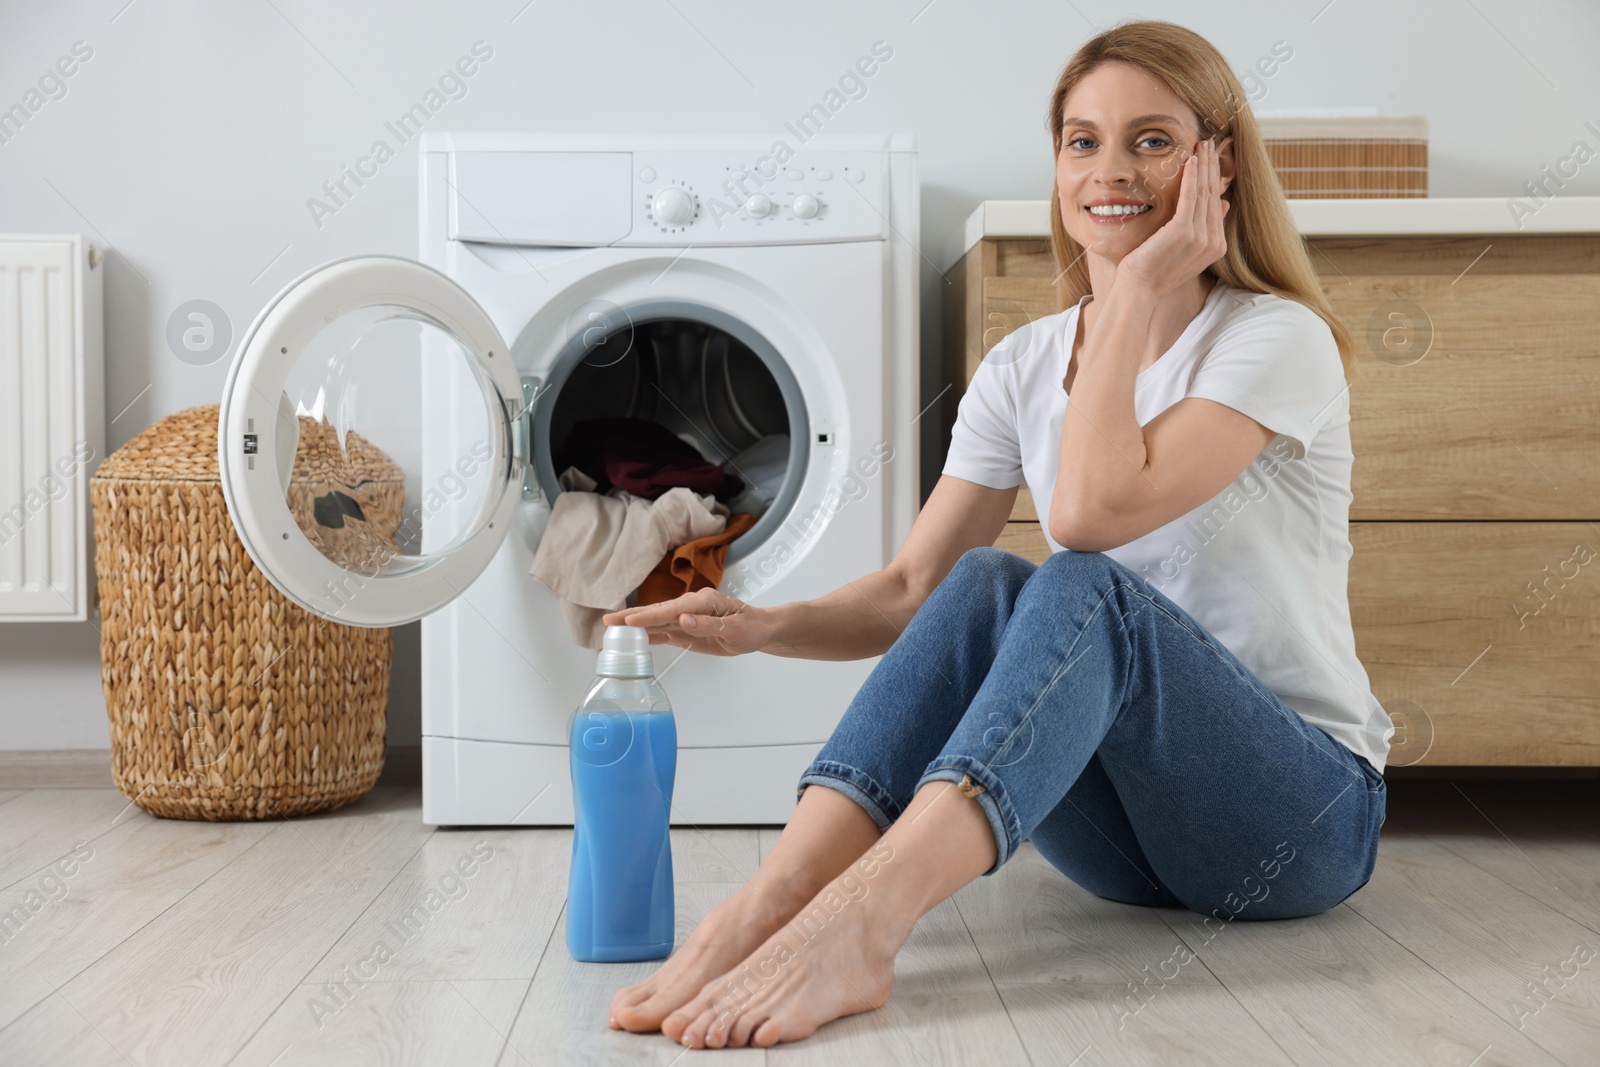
[522, 437]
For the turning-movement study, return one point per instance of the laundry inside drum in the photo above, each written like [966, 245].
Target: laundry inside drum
[677, 402]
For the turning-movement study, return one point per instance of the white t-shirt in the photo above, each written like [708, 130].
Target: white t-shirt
[1263, 565]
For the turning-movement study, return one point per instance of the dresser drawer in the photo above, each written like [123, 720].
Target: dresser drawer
[1501, 418]
[1484, 637]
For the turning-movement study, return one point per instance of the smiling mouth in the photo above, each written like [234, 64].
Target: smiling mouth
[1119, 211]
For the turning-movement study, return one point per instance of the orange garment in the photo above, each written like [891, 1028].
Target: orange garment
[694, 565]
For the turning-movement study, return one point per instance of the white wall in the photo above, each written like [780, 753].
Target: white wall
[191, 139]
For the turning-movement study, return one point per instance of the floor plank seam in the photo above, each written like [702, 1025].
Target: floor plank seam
[561, 913]
[88, 840]
[743, 878]
[1215, 977]
[132, 933]
[999, 996]
[1444, 843]
[1453, 983]
[1587, 924]
[265, 1019]
[56, 992]
[505, 1038]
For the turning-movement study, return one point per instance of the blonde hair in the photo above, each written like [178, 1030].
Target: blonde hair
[1266, 254]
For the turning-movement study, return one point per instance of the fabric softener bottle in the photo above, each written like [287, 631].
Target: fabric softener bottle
[624, 756]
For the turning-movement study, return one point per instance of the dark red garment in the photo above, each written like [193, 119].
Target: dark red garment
[643, 458]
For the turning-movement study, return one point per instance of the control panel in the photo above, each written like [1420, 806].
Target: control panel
[668, 198]
[777, 197]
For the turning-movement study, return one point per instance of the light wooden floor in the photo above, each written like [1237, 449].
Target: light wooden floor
[195, 943]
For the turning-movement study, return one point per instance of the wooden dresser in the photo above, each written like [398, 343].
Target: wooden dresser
[1475, 580]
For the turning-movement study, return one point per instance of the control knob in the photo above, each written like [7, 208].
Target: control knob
[673, 206]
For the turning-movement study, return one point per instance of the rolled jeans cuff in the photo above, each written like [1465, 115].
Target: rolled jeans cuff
[983, 785]
[856, 784]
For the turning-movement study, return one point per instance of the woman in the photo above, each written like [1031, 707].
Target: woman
[1170, 707]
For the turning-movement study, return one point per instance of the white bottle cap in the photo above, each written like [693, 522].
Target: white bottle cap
[625, 653]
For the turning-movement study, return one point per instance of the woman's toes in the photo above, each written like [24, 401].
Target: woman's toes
[621, 1007]
[717, 1031]
[652, 1011]
[630, 1019]
[633, 995]
[644, 1008]
[632, 1010]
[642, 1016]
[769, 1033]
[692, 1033]
[678, 1021]
[695, 1010]
[745, 1026]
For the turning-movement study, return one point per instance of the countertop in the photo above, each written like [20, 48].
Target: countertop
[1419, 216]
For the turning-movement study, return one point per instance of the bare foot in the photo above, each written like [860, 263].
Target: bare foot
[835, 958]
[731, 930]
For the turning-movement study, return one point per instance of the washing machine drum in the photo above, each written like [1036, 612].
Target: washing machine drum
[706, 386]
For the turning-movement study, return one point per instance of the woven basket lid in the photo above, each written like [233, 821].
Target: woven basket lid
[183, 448]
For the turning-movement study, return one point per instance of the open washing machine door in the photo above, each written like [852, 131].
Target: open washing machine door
[371, 440]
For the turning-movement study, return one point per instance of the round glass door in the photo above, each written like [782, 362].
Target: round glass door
[365, 441]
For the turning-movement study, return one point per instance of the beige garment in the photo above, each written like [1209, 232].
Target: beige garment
[598, 548]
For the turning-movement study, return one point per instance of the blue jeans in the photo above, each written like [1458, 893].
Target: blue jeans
[1084, 710]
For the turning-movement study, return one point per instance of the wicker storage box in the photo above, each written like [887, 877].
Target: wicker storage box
[1337, 157]
[226, 700]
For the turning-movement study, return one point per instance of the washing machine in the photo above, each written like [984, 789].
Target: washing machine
[390, 430]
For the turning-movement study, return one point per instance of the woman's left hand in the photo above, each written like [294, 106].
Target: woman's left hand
[1193, 238]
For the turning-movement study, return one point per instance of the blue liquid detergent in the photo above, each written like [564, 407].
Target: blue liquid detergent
[624, 754]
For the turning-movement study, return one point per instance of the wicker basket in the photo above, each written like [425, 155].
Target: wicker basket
[1356, 157]
[226, 700]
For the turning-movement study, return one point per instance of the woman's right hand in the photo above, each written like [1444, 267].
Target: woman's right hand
[706, 621]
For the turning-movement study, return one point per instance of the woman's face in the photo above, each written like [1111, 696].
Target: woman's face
[1124, 140]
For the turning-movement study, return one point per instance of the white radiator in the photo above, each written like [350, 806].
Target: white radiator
[52, 423]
